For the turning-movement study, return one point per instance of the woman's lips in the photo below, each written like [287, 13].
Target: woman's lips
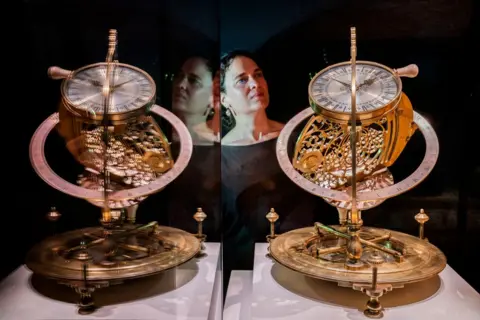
[179, 96]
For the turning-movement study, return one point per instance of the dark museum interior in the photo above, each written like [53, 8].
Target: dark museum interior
[292, 41]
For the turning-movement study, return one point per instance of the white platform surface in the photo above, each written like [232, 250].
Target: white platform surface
[271, 292]
[191, 291]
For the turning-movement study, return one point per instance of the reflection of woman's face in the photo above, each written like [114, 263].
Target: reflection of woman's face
[192, 87]
[246, 89]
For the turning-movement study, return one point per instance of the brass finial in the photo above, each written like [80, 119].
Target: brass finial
[421, 218]
[53, 215]
[272, 216]
[199, 216]
[112, 44]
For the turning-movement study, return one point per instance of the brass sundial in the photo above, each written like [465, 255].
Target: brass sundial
[358, 124]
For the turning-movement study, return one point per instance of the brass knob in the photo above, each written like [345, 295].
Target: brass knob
[199, 216]
[410, 71]
[272, 216]
[57, 73]
[83, 253]
[375, 258]
[421, 218]
[53, 215]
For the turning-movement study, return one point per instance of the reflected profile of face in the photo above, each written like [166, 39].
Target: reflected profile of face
[192, 87]
[245, 89]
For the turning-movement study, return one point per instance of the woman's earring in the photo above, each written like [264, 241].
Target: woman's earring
[208, 111]
[232, 111]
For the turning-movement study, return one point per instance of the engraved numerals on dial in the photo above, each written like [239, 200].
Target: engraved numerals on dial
[375, 88]
[129, 89]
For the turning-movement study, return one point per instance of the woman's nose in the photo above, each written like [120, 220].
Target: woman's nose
[182, 83]
[252, 83]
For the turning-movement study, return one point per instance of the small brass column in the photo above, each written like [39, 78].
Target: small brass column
[421, 218]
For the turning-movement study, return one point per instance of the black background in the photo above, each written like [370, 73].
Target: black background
[292, 39]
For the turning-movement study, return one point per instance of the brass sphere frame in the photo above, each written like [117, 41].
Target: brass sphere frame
[423, 170]
[41, 167]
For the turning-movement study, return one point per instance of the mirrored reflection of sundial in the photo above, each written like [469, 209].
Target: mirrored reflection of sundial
[126, 157]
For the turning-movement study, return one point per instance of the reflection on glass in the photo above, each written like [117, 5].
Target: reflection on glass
[193, 101]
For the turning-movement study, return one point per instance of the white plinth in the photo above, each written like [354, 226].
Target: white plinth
[274, 292]
[191, 291]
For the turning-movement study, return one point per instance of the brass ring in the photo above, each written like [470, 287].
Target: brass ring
[41, 167]
[423, 170]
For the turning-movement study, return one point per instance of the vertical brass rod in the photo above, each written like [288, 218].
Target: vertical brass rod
[353, 126]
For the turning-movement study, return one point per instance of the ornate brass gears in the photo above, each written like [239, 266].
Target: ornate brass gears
[384, 124]
[41, 167]
[429, 160]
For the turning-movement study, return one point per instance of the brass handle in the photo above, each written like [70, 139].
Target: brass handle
[410, 71]
[57, 73]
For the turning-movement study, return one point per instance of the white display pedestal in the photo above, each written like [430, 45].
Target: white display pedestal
[275, 292]
[190, 291]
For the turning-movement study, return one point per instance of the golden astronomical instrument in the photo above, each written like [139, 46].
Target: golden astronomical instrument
[105, 118]
[358, 124]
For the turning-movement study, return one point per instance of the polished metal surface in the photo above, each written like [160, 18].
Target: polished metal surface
[423, 170]
[422, 260]
[132, 93]
[333, 100]
[41, 167]
[125, 254]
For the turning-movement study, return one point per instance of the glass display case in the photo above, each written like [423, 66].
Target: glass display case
[224, 159]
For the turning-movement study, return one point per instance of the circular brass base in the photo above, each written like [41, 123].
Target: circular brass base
[302, 250]
[128, 252]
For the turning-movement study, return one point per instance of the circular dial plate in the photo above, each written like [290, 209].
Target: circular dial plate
[420, 255]
[42, 259]
[131, 90]
[376, 87]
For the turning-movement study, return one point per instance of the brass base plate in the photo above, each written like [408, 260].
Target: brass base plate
[422, 260]
[112, 260]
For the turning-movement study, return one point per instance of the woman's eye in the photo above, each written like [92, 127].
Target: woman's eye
[193, 80]
[242, 81]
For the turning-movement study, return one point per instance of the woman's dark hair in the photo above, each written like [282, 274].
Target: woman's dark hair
[211, 65]
[227, 59]
[228, 120]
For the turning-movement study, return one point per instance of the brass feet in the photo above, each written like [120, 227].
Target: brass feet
[86, 304]
[374, 291]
